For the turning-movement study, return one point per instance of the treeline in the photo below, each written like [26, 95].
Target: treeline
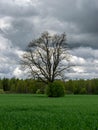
[21, 86]
[35, 86]
[81, 86]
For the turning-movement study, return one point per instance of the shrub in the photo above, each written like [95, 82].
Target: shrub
[38, 91]
[55, 89]
[1, 91]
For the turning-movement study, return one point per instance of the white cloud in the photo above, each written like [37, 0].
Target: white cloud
[78, 69]
[4, 23]
[86, 63]
[17, 72]
[77, 60]
[9, 58]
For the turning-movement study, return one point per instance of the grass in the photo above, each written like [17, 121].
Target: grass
[38, 112]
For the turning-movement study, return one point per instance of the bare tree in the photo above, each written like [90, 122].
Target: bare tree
[47, 57]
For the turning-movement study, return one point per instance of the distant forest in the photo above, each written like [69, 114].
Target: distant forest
[81, 86]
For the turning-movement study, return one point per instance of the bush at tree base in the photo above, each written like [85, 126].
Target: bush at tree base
[55, 89]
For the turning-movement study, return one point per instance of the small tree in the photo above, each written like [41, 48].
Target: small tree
[55, 89]
[47, 57]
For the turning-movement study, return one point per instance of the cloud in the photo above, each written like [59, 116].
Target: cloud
[22, 21]
[85, 52]
[81, 19]
[81, 13]
[78, 18]
[21, 32]
[9, 58]
[86, 63]
[17, 9]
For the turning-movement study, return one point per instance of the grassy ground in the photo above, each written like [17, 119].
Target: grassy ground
[38, 112]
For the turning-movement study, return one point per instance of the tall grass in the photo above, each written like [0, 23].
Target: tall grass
[38, 112]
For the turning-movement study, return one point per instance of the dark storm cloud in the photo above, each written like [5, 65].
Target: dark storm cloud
[82, 13]
[82, 19]
[20, 33]
[78, 18]
[20, 18]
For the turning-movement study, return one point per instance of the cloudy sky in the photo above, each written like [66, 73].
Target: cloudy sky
[23, 20]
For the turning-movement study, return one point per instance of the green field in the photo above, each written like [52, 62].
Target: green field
[38, 112]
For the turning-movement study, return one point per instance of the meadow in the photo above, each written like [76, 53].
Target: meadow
[39, 112]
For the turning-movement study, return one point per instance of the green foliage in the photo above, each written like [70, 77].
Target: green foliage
[38, 91]
[81, 86]
[1, 91]
[1, 86]
[55, 89]
[5, 84]
[76, 89]
[38, 86]
[21, 86]
[68, 92]
[83, 91]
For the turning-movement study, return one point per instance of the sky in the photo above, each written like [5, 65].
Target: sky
[24, 20]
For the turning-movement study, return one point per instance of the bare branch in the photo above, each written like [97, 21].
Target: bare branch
[44, 56]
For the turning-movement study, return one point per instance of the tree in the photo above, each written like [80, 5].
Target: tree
[47, 57]
[5, 84]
